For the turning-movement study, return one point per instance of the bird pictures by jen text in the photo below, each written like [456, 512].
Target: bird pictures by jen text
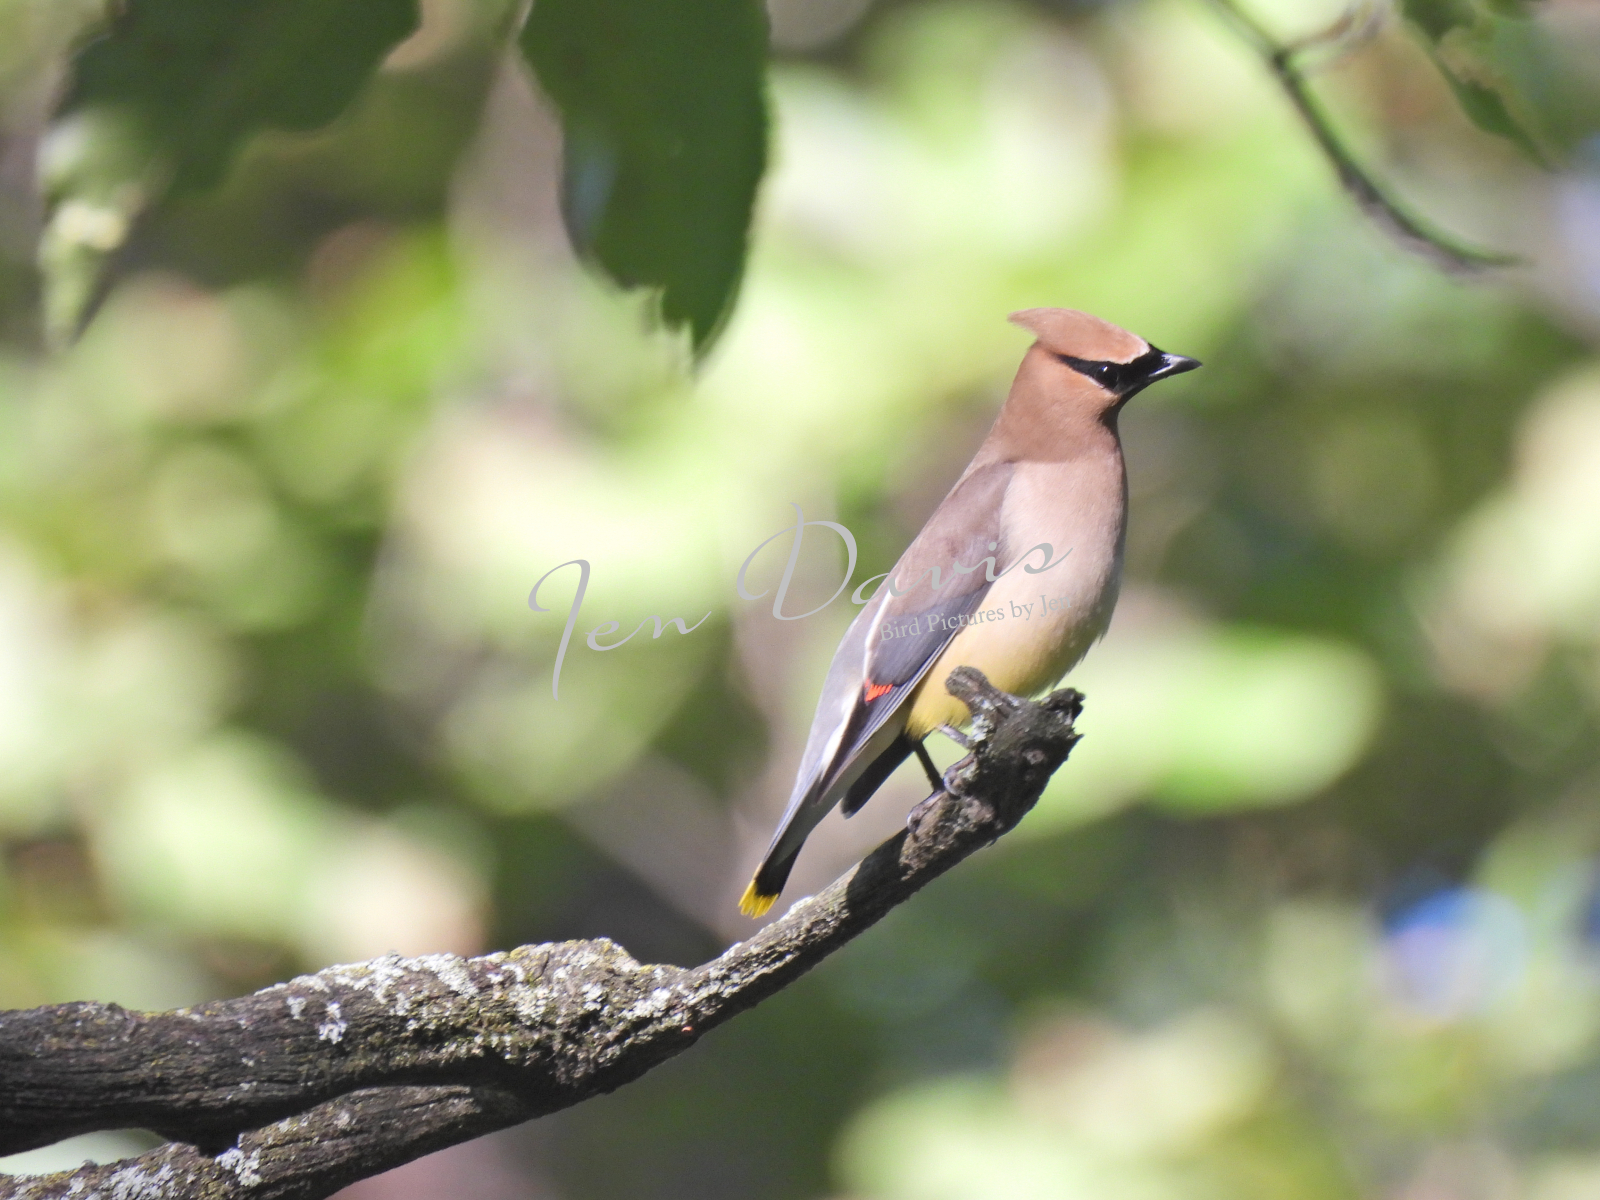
[933, 622]
[1044, 552]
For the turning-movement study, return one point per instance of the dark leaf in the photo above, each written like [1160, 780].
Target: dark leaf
[1438, 17]
[664, 108]
[198, 77]
[160, 103]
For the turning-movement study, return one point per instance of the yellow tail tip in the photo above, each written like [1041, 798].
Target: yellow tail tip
[753, 903]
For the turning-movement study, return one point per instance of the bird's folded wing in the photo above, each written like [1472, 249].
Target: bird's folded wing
[895, 641]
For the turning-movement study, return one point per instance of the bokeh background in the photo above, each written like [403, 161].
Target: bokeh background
[1311, 912]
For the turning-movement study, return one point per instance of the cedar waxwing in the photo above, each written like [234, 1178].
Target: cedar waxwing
[1046, 492]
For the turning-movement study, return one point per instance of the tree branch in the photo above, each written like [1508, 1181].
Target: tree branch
[306, 1086]
[1409, 229]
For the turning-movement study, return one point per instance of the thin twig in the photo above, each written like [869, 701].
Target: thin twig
[1411, 230]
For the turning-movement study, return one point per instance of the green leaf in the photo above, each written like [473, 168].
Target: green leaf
[161, 102]
[665, 117]
[1486, 110]
[1492, 76]
[1438, 17]
[198, 77]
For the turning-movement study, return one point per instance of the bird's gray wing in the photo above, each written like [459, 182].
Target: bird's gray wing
[872, 676]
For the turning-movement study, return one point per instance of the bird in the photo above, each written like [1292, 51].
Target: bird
[1046, 492]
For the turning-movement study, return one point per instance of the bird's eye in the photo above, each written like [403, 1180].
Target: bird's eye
[1108, 375]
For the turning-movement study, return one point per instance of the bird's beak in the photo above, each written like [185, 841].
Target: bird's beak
[1171, 364]
[1150, 366]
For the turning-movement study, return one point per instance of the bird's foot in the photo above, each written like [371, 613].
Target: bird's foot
[931, 771]
[956, 736]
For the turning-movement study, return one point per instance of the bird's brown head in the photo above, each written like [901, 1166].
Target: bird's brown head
[1100, 363]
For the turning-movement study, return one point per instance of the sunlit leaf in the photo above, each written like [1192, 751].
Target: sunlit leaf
[664, 111]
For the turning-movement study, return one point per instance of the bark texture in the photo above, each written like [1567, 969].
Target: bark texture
[306, 1086]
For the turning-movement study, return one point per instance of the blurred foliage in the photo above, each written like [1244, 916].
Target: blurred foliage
[1312, 911]
[664, 112]
[162, 100]
[1510, 74]
[197, 78]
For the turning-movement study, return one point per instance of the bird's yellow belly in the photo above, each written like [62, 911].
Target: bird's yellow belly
[1021, 661]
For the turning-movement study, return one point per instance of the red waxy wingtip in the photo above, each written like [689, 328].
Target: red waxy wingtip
[874, 690]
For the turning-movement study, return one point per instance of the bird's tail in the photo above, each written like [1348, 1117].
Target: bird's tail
[754, 903]
[769, 879]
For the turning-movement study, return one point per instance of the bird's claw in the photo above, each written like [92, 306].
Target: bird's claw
[956, 736]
